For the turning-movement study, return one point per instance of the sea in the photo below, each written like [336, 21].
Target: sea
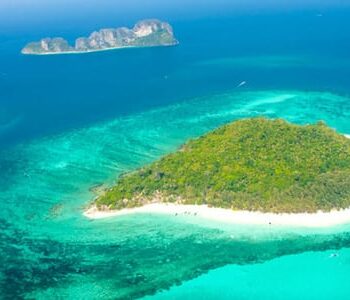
[71, 124]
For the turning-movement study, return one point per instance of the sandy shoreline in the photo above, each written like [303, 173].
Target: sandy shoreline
[319, 219]
[97, 50]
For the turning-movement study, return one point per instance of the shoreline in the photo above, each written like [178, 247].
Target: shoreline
[319, 219]
[316, 220]
[97, 50]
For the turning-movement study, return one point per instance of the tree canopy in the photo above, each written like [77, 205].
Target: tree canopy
[260, 164]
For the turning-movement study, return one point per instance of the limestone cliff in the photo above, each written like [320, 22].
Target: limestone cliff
[146, 33]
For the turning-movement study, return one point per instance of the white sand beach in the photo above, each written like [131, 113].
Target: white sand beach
[81, 52]
[96, 50]
[319, 219]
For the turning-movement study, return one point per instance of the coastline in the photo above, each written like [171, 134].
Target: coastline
[97, 50]
[316, 220]
[319, 219]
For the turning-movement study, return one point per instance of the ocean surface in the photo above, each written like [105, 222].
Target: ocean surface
[71, 123]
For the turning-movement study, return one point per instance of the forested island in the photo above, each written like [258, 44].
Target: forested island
[146, 33]
[253, 164]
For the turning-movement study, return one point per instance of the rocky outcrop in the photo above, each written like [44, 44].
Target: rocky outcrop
[48, 45]
[145, 33]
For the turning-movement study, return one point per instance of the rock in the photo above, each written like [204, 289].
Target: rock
[145, 33]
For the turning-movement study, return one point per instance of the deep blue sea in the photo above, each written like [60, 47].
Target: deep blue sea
[72, 122]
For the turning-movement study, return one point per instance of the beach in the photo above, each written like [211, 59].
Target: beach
[317, 220]
[96, 50]
[84, 121]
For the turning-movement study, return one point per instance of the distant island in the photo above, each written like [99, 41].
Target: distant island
[253, 164]
[146, 33]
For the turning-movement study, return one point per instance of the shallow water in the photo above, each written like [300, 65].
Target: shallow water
[60, 253]
[68, 124]
[299, 276]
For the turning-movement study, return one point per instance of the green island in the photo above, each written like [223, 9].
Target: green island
[256, 164]
[146, 33]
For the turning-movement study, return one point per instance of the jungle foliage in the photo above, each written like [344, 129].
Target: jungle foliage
[250, 164]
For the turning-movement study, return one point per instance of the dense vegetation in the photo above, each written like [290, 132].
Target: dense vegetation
[146, 33]
[250, 164]
[160, 37]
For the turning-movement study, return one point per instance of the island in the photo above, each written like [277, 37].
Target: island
[146, 33]
[256, 165]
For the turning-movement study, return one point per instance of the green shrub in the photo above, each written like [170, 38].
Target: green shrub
[252, 164]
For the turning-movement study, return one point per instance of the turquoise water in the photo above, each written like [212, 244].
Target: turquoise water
[275, 279]
[71, 123]
[59, 253]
